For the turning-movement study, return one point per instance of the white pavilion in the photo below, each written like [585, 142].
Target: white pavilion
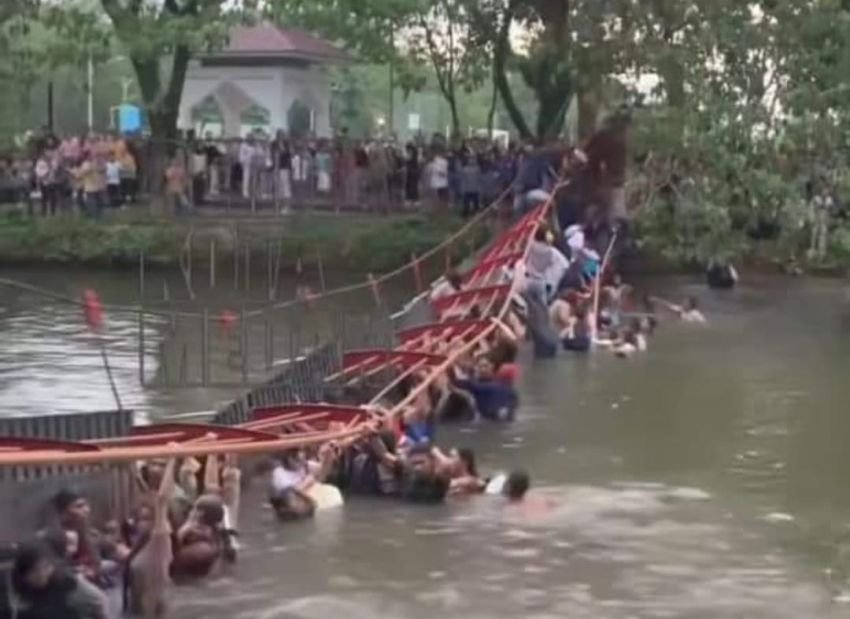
[266, 78]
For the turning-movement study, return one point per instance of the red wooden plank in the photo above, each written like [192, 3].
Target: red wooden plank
[18, 443]
[450, 328]
[465, 297]
[333, 412]
[399, 358]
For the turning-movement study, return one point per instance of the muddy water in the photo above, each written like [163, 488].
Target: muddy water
[705, 479]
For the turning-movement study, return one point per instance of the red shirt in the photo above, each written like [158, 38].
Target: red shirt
[508, 373]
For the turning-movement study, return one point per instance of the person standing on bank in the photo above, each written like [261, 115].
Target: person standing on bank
[282, 157]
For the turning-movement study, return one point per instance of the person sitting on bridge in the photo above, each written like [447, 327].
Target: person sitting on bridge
[451, 283]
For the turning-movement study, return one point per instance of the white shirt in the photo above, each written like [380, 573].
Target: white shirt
[113, 173]
[246, 153]
[558, 265]
[283, 479]
[439, 173]
[441, 290]
[575, 239]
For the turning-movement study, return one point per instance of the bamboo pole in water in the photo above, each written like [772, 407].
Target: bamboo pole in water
[129, 454]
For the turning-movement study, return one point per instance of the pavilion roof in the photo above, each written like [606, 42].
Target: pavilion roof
[265, 40]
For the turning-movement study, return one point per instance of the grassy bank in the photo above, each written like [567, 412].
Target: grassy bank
[346, 242]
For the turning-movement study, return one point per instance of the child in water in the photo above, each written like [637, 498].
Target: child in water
[689, 312]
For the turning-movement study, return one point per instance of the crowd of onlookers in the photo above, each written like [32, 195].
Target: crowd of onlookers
[62, 175]
[342, 172]
[93, 173]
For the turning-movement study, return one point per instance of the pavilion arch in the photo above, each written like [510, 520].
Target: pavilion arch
[255, 119]
[207, 117]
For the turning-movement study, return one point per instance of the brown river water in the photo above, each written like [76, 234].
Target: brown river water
[704, 479]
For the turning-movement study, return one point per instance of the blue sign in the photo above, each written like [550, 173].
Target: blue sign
[129, 118]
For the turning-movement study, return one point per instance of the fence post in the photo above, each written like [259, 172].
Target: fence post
[187, 270]
[244, 338]
[269, 346]
[417, 271]
[247, 269]
[375, 289]
[269, 269]
[205, 347]
[184, 361]
[236, 257]
[141, 347]
[212, 262]
[141, 275]
[321, 270]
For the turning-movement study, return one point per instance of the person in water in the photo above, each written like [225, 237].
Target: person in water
[208, 533]
[292, 479]
[494, 400]
[147, 574]
[43, 588]
[689, 311]
[459, 465]
[579, 335]
[377, 468]
[86, 546]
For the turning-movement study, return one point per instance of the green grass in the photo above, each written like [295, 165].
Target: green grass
[353, 242]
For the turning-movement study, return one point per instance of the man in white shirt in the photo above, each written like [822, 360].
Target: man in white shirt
[439, 178]
[247, 153]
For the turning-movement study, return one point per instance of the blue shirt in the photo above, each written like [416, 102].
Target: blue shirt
[495, 401]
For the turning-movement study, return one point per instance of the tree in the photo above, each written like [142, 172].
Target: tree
[440, 33]
[403, 33]
[159, 37]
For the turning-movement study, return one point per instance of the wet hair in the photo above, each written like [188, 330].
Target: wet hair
[49, 601]
[467, 456]
[540, 233]
[210, 509]
[504, 351]
[63, 499]
[289, 458]
[420, 487]
[454, 278]
[516, 485]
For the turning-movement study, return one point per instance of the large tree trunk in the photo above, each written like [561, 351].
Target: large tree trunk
[452, 101]
[491, 113]
[162, 106]
[501, 53]
[588, 113]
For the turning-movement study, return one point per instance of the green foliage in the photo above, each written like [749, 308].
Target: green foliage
[346, 243]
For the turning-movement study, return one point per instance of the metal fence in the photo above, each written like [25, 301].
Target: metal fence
[25, 492]
[227, 346]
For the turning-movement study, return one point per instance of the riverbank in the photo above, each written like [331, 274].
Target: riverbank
[353, 242]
